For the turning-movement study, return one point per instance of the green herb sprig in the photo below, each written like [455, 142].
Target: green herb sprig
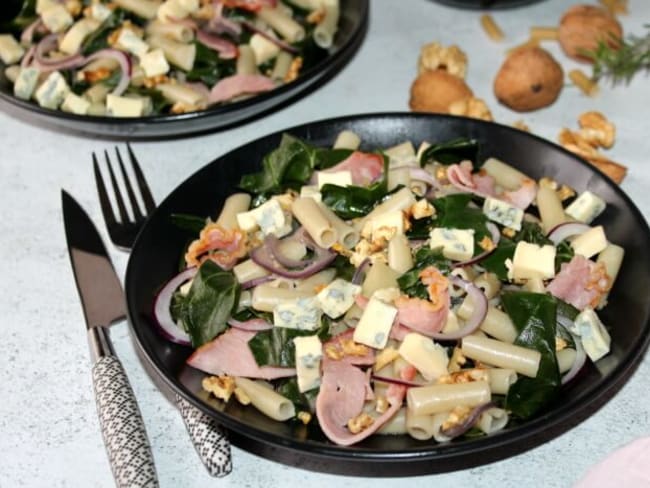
[618, 62]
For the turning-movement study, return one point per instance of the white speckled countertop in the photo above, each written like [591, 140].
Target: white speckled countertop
[49, 434]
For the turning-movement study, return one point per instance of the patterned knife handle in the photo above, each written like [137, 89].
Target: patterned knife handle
[126, 441]
[209, 438]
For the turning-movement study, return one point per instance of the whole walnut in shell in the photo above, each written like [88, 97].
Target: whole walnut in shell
[435, 90]
[530, 78]
[582, 27]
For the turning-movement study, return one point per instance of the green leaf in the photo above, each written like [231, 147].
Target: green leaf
[191, 223]
[212, 297]
[288, 388]
[98, 39]
[410, 283]
[495, 262]
[534, 315]
[208, 67]
[452, 152]
[275, 347]
[454, 212]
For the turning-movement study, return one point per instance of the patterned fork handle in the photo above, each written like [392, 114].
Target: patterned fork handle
[209, 438]
[122, 427]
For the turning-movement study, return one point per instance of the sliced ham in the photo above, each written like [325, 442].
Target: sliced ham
[341, 398]
[225, 246]
[580, 282]
[229, 354]
[225, 48]
[364, 167]
[251, 5]
[236, 85]
[421, 315]
[336, 344]
[523, 196]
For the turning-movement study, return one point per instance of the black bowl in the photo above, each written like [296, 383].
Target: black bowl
[486, 4]
[352, 28]
[156, 254]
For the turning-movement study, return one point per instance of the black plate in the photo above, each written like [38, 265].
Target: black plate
[158, 249]
[352, 28]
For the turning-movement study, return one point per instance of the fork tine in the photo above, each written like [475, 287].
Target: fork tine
[147, 198]
[116, 189]
[104, 201]
[135, 207]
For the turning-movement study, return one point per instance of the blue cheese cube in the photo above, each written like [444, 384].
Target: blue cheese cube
[337, 297]
[26, 82]
[586, 207]
[533, 262]
[56, 18]
[272, 219]
[129, 41]
[117, 106]
[590, 243]
[75, 104]
[53, 91]
[309, 352]
[374, 326]
[300, 313]
[457, 244]
[593, 335]
[503, 213]
[429, 358]
[154, 63]
[10, 51]
[338, 178]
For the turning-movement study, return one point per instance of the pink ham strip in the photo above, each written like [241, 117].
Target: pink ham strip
[254, 325]
[365, 360]
[236, 85]
[580, 282]
[225, 48]
[364, 167]
[229, 354]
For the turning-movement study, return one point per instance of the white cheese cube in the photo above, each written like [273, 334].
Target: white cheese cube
[337, 297]
[75, 104]
[171, 10]
[429, 358]
[311, 191]
[503, 213]
[56, 18]
[457, 244]
[42, 5]
[590, 243]
[154, 63]
[124, 106]
[533, 262]
[593, 335]
[100, 12]
[76, 34]
[263, 49]
[129, 41]
[374, 326]
[53, 91]
[26, 82]
[338, 178]
[300, 313]
[247, 221]
[10, 51]
[586, 207]
[309, 352]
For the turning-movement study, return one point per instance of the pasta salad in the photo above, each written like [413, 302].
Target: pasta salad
[402, 291]
[134, 58]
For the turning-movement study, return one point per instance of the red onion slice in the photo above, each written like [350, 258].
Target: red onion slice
[357, 277]
[125, 65]
[27, 36]
[256, 281]
[567, 229]
[252, 325]
[225, 48]
[468, 423]
[161, 312]
[480, 303]
[394, 381]
[496, 236]
[273, 244]
[578, 363]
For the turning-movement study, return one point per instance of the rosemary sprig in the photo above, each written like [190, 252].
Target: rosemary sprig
[619, 61]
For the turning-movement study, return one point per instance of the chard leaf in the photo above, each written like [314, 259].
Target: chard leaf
[495, 262]
[452, 152]
[410, 284]
[191, 223]
[534, 315]
[275, 347]
[212, 297]
[454, 212]
[208, 67]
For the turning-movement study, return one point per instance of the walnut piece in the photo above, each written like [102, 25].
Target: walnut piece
[596, 129]
[472, 107]
[436, 56]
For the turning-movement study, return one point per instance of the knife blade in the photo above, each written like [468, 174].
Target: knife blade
[102, 301]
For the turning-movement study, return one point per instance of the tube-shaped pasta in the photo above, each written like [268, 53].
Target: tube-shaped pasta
[611, 257]
[181, 93]
[498, 325]
[267, 296]
[501, 354]
[281, 67]
[565, 359]
[489, 283]
[282, 23]
[419, 426]
[432, 399]
[266, 400]
[504, 175]
[246, 63]
[396, 425]
[492, 420]
[73, 38]
[347, 235]
[437, 421]
[550, 208]
[500, 380]
[177, 53]
[312, 218]
[248, 270]
[346, 139]
[535, 284]
[144, 8]
[316, 281]
[174, 30]
[305, 4]
[399, 254]
[234, 204]
[401, 200]
[379, 276]
[399, 176]
[402, 154]
[326, 29]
